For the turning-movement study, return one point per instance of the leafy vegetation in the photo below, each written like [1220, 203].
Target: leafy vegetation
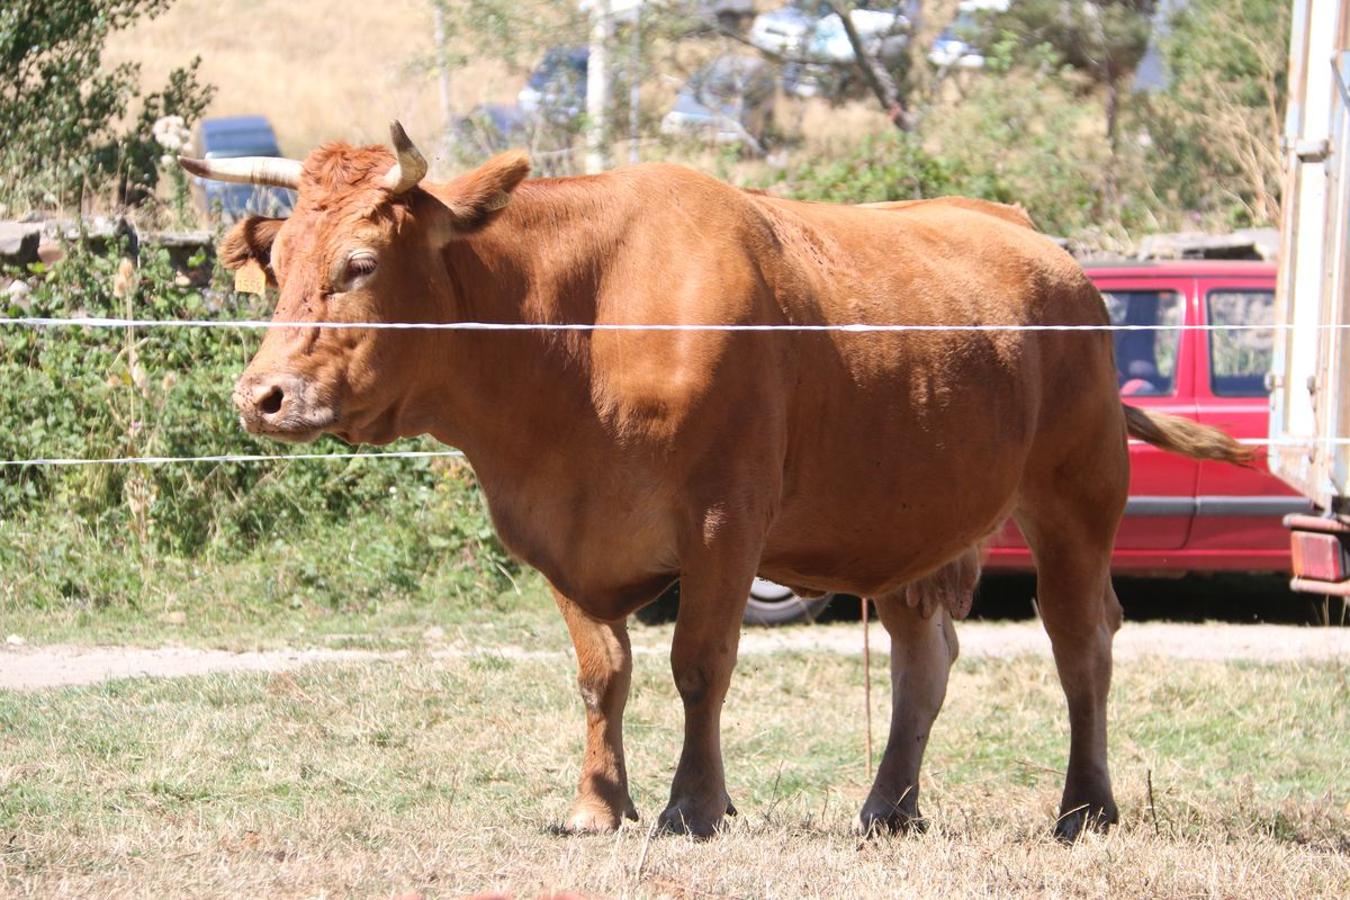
[1104, 40]
[101, 537]
[1050, 122]
[1004, 142]
[68, 121]
[1216, 128]
[890, 166]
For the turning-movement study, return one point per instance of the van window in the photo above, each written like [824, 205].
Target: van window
[1240, 358]
[1146, 361]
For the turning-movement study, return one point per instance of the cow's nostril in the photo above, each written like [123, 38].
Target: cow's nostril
[270, 404]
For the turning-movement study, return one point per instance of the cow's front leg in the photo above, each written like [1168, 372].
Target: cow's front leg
[707, 629]
[604, 670]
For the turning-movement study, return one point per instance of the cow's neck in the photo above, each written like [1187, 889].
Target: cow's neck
[509, 396]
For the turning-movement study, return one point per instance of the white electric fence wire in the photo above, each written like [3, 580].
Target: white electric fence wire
[248, 324]
[852, 328]
[425, 454]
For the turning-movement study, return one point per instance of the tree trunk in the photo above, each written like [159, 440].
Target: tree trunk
[443, 76]
[1110, 188]
[1112, 111]
[598, 89]
[930, 19]
[878, 80]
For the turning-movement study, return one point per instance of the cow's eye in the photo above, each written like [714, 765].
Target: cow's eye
[359, 266]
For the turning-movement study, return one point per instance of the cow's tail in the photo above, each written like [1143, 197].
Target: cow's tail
[1178, 435]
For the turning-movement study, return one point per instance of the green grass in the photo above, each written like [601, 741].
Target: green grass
[444, 774]
[216, 621]
[215, 618]
[363, 583]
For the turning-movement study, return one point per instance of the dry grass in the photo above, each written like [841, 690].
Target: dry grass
[444, 776]
[320, 75]
[835, 129]
[316, 69]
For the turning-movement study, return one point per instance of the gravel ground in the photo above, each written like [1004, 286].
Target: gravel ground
[24, 667]
[1204, 641]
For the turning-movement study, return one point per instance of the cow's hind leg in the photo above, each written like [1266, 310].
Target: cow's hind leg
[1070, 527]
[605, 666]
[922, 652]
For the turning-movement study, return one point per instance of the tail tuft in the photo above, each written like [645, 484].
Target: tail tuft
[1178, 435]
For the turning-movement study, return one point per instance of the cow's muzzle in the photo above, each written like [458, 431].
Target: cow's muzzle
[285, 407]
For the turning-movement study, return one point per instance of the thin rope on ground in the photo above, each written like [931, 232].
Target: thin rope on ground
[848, 328]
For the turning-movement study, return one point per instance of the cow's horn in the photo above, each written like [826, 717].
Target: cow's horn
[270, 170]
[411, 167]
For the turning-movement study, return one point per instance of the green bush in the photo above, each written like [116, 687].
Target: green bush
[61, 111]
[1018, 135]
[892, 166]
[84, 392]
[1215, 129]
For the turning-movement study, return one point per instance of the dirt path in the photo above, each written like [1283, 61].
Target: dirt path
[62, 665]
[34, 668]
[1207, 641]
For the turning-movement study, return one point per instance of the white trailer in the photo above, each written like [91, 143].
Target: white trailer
[1310, 377]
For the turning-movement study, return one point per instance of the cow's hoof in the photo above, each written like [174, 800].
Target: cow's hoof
[890, 820]
[1075, 820]
[588, 818]
[684, 818]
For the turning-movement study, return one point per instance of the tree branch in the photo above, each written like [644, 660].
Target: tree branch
[874, 74]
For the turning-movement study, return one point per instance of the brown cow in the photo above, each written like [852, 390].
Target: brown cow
[616, 461]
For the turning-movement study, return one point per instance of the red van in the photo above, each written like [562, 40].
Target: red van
[1183, 515]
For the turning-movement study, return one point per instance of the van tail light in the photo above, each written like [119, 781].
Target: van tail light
[1321, 555]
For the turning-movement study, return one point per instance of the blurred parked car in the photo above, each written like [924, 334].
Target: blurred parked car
[728, 14]
[812, 32]
[490, 128]
[812, 40]
[728, 101]
[957, 47]
[233, 136]
[556, 89]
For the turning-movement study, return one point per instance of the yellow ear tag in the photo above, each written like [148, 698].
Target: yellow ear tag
[250, 279]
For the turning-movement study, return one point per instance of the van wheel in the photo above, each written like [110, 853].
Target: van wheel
[773, 604]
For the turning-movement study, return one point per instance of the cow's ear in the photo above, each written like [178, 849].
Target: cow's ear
[471, 201]
[250, 239]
